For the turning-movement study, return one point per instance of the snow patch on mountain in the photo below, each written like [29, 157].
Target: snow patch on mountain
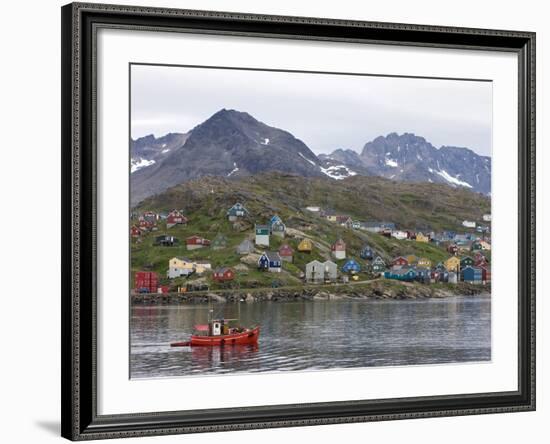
[234, 170]
[306, 159]
[452, 179]
[139, 163]
[391, 163]
[338, 172]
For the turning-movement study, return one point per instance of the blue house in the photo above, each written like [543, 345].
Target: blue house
[236, 211]
[351, 266]
[367, 253]
[401, 274]
[270, 261]
[472, 275]
[423, 274]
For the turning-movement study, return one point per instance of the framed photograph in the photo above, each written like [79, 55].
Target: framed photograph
[281, 221]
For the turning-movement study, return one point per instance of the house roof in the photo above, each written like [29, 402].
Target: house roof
[272, 256]
[286, 249]
[222, 270]
[402, 271]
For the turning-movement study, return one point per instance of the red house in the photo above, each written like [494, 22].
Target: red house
[286, 252]
[135, 231]
[453, 249]
[224, 274]
[399, 262]
[195, 242]
[146, 282]
[174, 218]
[146, 225]
[485, 274]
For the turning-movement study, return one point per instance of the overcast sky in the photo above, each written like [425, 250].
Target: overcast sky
[325, 111]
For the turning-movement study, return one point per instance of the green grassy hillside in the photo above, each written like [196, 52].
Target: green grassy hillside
[205, 202]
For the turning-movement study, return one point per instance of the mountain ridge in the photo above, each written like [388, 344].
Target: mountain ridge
[233, 143]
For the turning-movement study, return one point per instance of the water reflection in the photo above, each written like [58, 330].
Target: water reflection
[315, 335]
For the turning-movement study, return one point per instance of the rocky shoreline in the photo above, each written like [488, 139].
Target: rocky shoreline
[380, 290]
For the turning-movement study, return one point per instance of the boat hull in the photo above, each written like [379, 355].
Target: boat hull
[247, 337]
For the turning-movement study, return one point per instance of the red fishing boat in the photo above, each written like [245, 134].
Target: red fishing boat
[219, 333]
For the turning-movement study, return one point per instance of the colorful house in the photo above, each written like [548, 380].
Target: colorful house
[165, 241]
[150, 216]
[338, 249]
[270, 261]
[466, 261]
[481, 261]
[420, 237]
[485, 246]
[403, 274]
[399, 262]
[286, 252]
[423, 274]
[245, 247]
[412, 259]
[453, 264]
[351, 266]
[440, 267]
[236, 212]
[277, 227]
[219, 242]
[180, 266]
[196, 242]
[262, 235]
[146, 225]
[135, 231]
[485, 274]
[305, 246]
[452, 248]
[366, 252]
[223, 274]
[399, 235]
[476, 246]
[424, 263]
[378, 265]
[471, 274]
[175, 217]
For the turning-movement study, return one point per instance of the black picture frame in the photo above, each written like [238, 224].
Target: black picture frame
[79, 395]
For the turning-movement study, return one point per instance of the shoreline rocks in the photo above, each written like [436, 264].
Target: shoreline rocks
[380, 290]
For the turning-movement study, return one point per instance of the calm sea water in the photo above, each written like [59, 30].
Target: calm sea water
[315, 335]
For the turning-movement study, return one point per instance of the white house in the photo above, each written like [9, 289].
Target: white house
[262, 235]
[487, 217]
[468, 224]
[398, 234]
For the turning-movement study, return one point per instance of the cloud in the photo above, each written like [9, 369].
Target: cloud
[326, 111]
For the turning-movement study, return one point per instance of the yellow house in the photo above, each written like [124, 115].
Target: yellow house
[453, 264]
[422, 238]
[179, 266]
[305, 246]
[411, 259]
[331, 217]
[180, 262]
[424, 262]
